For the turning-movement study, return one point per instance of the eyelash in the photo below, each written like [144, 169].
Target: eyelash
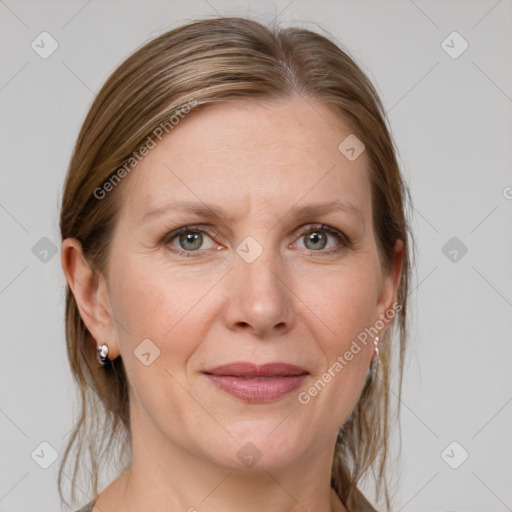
[343, 241]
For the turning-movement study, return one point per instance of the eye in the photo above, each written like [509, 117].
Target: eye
[315, 238]
[318, 238]
[189, 239]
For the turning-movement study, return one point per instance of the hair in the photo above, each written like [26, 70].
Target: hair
[207, 62]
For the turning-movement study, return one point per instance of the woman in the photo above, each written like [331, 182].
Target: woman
[237, 259]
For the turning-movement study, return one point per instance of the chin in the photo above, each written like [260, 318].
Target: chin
[260, 449]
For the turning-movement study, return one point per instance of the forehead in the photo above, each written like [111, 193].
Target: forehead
[254, 155]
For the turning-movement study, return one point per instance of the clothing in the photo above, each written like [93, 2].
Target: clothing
[88, 507]
[366, 508]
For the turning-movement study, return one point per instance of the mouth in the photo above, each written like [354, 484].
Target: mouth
[253, 383]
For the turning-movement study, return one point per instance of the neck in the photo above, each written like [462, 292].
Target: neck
[163, 476]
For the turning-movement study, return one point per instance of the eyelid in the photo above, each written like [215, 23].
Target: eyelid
[173, 233]
[192, 228]
[334, 232]
[342, 238]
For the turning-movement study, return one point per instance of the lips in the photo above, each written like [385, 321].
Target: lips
[252, 383]
[251, 371]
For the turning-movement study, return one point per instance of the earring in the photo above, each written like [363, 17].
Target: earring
[102, 354]
[373, 367]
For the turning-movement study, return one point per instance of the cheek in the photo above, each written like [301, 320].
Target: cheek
[152, 303]
[346, 307]
[338, 384]
[346, 304]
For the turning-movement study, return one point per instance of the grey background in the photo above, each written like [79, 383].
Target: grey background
[452, 121]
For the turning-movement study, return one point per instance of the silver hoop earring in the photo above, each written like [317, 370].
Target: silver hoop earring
[102, 354]
[373, 367]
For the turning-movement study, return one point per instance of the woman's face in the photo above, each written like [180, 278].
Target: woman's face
[256, 279]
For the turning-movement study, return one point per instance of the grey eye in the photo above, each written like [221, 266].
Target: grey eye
[315, 240]
[190, 241]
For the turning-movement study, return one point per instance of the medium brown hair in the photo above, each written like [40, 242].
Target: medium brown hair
[213, 61]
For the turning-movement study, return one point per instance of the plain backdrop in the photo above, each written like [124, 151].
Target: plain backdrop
[449, 102]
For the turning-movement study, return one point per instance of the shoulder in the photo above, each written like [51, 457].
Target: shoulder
[366, 506]
[87, 508]
[359, 503]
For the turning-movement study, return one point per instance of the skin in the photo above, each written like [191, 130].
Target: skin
[295, 303]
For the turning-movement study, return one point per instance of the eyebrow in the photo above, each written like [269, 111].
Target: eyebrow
[202, 209]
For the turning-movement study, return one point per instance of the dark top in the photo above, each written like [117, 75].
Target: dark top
[367, 507]
[87, 508]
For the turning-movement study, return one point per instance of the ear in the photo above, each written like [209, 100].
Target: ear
[389, 287]
[91, 295]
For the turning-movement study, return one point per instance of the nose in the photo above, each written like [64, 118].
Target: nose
[259, 300]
